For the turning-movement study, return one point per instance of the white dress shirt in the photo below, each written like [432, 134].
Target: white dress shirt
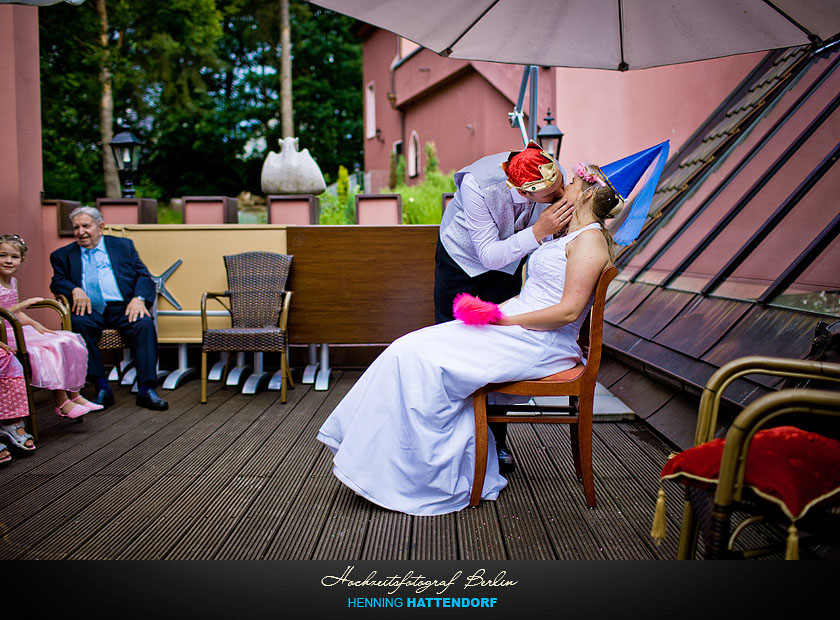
[495, 253]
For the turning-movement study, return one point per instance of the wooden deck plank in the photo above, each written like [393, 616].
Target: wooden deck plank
[50, 503]
[523, 532]
[480, 534]
[434, 538]
[299, 494]
[388, 536]
[126, 489]
[202, 466]
[243, 477]
[285, 460]
[616, 539]
[558, 496]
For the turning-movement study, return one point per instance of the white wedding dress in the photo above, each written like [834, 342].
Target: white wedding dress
[404, 436]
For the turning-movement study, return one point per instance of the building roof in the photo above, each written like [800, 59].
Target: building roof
[739, 253]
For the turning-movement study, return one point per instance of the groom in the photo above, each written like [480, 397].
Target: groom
[506, 205]
[109, 287]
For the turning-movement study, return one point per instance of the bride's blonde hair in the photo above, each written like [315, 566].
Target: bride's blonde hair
[605, 202]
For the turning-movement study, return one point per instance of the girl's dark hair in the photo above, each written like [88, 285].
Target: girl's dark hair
[15, 240]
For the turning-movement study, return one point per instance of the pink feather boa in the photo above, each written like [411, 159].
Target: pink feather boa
[473, 311]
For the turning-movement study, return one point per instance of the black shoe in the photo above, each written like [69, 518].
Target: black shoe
[506, 463]
[103, 397]
[150, 400]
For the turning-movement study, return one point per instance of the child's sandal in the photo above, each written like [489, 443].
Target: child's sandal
[81, 400]
[76, 412]
[17, 439]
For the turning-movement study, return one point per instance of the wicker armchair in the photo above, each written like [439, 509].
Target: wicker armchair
[259, 309]
[23, 355]
[110, 340]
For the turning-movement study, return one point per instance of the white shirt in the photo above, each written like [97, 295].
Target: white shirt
[495, 253]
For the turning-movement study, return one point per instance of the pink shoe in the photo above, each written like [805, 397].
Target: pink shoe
[87, 404]
[76, 412]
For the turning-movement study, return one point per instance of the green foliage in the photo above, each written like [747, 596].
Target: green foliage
[392, 171]
[422, 201]
[168, 216]
[198, 81]
[342, 185]
[336, 211]
[431, 158]
[399, 172]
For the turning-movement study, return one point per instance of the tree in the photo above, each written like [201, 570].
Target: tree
[198, 84]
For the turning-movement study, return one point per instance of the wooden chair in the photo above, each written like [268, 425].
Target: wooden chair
[259, 310]
[576, 382]
[23, 355]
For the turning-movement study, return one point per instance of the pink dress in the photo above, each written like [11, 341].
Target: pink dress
[59, 360]
[13, 401]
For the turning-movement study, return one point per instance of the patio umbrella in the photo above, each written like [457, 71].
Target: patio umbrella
[599, 34]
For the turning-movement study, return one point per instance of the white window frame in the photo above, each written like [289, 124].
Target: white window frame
[412, 156]
[370, 111]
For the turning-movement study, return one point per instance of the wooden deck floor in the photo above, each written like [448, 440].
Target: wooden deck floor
[244, 478]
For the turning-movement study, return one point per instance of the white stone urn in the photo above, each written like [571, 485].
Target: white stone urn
[291, 171]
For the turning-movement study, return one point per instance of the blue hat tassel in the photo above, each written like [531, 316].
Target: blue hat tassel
[624, 175]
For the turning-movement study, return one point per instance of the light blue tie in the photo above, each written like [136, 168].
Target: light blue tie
[94, 291]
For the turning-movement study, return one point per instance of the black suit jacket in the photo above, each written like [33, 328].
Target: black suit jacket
[133, 278]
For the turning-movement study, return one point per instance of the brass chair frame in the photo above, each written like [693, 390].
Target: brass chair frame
[710, 405]
[579, 381]
[23, 354]
[730, 485]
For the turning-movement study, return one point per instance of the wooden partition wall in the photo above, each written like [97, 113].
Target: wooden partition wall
[360, 284]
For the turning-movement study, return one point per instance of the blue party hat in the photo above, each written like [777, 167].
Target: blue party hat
[623, 175]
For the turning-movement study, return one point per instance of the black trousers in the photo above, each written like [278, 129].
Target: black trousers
[141, 335]
[495, 286]
[450, 279]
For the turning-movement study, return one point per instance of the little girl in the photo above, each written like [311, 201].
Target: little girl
[14, 405]
[58, 358]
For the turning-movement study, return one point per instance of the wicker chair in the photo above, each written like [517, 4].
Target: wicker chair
[259, 310]
[23, 355]
[109, 340]
[578, 381]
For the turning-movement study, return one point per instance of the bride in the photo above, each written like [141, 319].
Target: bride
[403, 437]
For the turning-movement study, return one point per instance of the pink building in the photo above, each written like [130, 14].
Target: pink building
[413, 96]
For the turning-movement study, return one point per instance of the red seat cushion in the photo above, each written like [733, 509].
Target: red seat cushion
[792, 468]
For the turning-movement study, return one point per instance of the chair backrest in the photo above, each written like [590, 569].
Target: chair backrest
[591, 334]
[256, 281]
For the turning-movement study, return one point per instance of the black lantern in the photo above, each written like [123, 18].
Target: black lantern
[550, 137]
[126, 150]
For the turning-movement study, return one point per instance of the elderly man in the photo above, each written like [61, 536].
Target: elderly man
[505, 206]
[109, 287]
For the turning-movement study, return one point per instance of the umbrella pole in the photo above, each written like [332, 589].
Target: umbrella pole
[516, 117]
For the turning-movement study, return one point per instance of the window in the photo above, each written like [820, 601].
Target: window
[412, 163]
[370, 111]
